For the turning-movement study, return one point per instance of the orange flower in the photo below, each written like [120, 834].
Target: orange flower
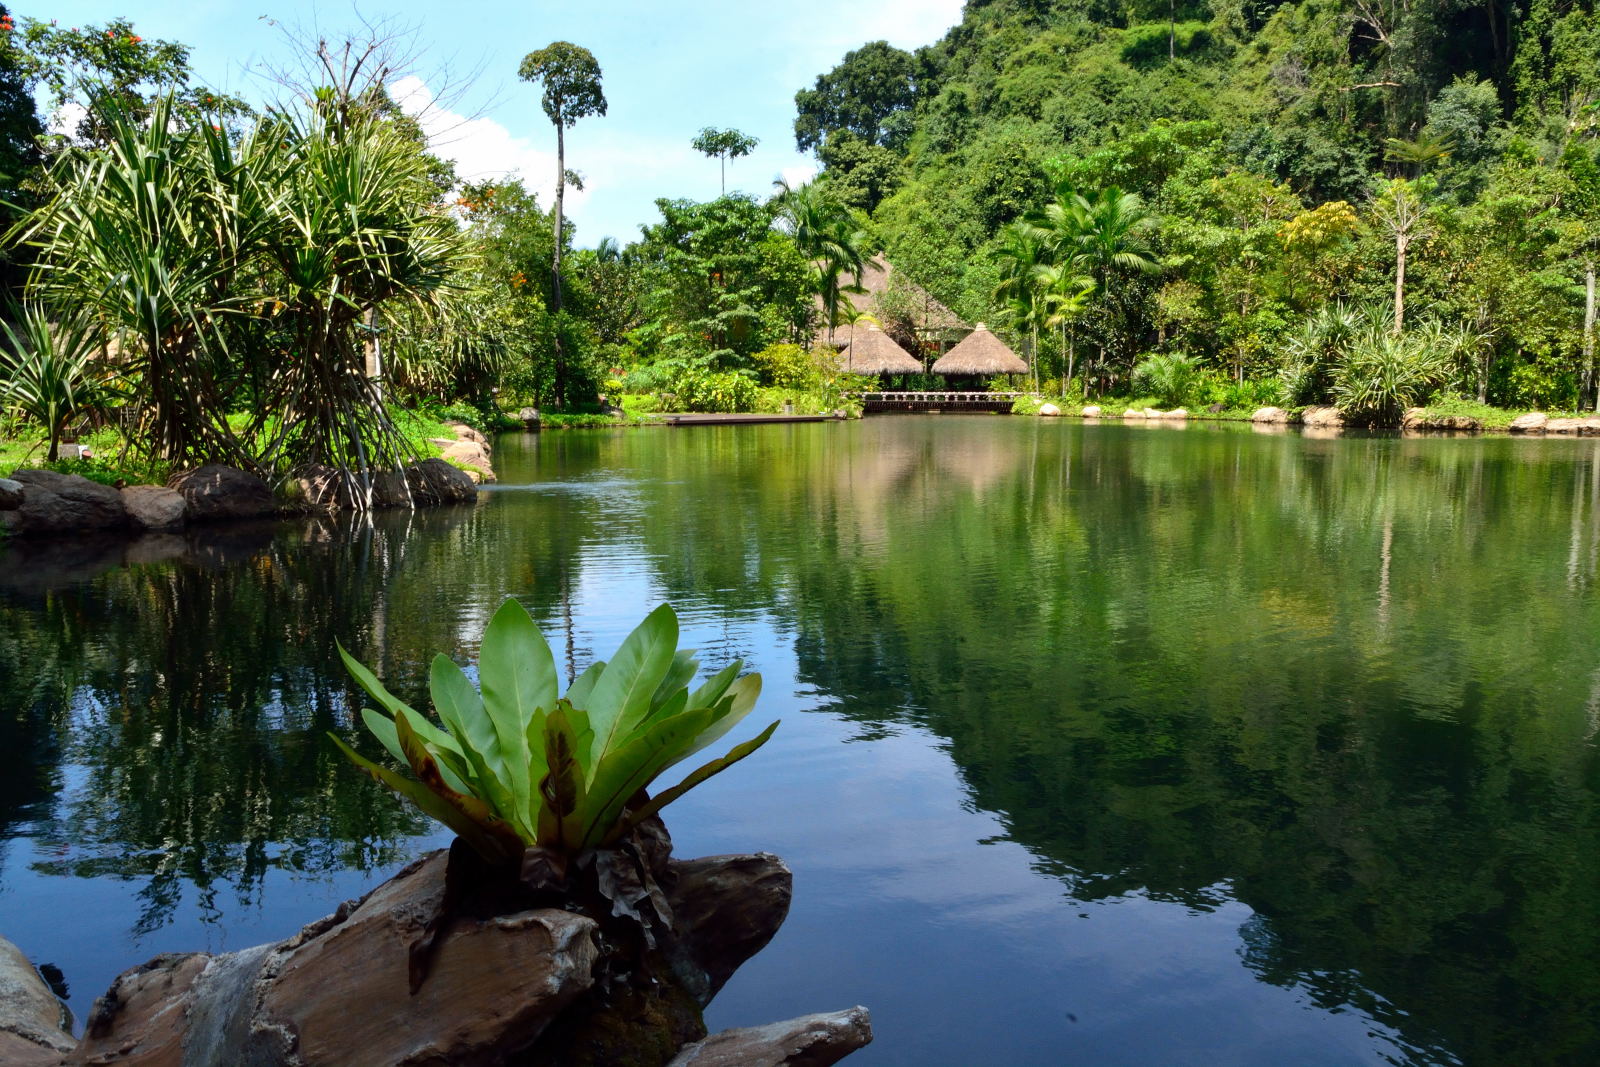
[136, 39]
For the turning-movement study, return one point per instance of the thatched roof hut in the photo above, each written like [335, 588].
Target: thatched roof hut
[981, 353]
[875, 352]
[885, 289]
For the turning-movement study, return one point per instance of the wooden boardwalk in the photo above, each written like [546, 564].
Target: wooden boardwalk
[718, 419]
[938, 401]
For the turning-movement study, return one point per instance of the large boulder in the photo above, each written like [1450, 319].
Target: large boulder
[1532, 422]
[1134, 413]
[65, 503]
[464, 432]
[1584, 427]
[1270, 415]
[320, 487]
[1175, 413]
[1092, 411]
[1322, 417]
[469, 454]
[33, 1023]
[216, 492]
[434, 481]
[10, 494]
[1049, 409]
[524, 987]
[809, 1041]
[154, 507]
[1418, 419]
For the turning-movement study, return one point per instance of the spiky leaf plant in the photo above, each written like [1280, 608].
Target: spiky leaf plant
[520, 765]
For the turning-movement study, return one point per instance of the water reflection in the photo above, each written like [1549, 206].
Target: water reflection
[1345, 688]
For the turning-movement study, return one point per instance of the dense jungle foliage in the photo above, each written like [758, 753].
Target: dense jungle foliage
[1358, 202]
[1280, 158]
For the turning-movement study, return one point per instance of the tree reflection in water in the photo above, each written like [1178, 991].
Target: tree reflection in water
[1346, 682]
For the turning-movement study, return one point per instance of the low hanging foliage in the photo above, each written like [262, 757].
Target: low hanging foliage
[521, 765]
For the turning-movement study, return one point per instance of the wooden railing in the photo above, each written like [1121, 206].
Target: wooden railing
[940, 400]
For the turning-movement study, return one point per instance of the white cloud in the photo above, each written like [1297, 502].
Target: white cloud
[482, 148]
[905, 24]
[799, 174]
[64, 123]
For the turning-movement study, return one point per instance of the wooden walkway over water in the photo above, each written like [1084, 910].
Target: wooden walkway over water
[718, 418]
[938, 401]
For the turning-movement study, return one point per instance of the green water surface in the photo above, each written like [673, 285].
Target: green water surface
[1101, 744]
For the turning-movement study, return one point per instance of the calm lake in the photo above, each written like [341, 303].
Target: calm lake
[1100, 744]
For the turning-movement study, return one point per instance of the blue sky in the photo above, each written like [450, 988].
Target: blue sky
[670, 69]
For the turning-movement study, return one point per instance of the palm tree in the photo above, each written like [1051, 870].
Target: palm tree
[47, 371]
[1022, 253]
[1066, 290]
[1110, 231]
[151, 235]
[828, 236]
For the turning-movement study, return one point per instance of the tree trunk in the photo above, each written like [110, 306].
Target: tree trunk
[724, 161]
[1400, 242]
[1033, 351]
[560, 384]
[374, 354]
[1588, 332]
[1172, 29]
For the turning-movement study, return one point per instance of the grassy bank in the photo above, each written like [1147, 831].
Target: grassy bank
[111, 462]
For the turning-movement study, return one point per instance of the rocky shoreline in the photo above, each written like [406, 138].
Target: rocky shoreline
[35, 503]
[1414, 420]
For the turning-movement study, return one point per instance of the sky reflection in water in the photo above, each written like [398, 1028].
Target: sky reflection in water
[1104, 744]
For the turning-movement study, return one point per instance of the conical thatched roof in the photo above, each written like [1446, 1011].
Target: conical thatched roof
[875, 352]
[981, 353]
[878, 279]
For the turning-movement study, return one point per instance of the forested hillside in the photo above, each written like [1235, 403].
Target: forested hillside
[1283, 159]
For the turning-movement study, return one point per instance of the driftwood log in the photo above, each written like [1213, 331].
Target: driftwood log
[531, 986]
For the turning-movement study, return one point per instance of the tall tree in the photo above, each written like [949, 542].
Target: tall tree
[1401, 212]
[828, 236]
[724, 145]
[86, 71]
[571, 79]
[870, 94]
[1021, 253]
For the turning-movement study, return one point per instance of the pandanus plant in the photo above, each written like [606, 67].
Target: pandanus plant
[522, 766]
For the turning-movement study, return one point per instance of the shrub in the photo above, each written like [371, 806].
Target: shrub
[521, 766]
[1382, 375]
[1173, 379]
[1248, 395]
[1317, 347]
[704, 390]
[48, 373]
[1147, 45]
[786, 367]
